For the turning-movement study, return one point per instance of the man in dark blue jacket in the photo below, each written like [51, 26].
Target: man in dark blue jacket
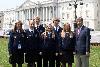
[57, 30]
[40, 29]
[31, 45]
[82, 46]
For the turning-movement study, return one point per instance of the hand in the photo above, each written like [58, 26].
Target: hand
[61, 53]
[40, 53]
[56, 54]
[10, 54]
[74, 53]
[63, 34]
[87, 54]
[43, 34]
[53, 36]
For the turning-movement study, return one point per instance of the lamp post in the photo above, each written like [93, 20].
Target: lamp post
[75, 7]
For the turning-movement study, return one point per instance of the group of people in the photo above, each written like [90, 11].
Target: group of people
[51, 46]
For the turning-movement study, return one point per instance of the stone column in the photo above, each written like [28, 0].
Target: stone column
[32, 13]
[46, 14]
[37, 11]
[53, 12]
[25, 14]
[29, 13]
[43, 14]
[56, 11]
[22, 15]
[18, 15]
[49, 13]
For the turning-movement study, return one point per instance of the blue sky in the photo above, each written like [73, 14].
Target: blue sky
[7, 4]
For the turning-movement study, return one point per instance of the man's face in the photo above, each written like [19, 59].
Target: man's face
[31, 24]
[37, 20]
[56, 23]
[79, 22]
[49, 29]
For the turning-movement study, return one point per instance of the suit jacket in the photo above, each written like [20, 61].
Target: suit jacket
[68, 43]
[31, 39]
[39, 39]
[49, 43]
[15, 40]
[82, 40]
[58, 37]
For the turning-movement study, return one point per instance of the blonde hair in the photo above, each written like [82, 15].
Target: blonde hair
[67, 24]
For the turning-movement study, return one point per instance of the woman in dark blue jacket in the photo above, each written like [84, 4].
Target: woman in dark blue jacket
[16, 45]
[67, 46]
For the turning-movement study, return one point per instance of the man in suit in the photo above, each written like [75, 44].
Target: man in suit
[57, 30]
[82, 47]
[31, 46]
[40, 29]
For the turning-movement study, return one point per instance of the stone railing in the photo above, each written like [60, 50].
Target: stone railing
[95, 44]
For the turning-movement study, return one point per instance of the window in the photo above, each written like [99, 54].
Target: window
[67, 16]
[98, 22]
[97, 5]
[97, 13]
[0, 21]
[63, 14]
[87, 13]
[62, 8]
[87, 24]
[86, 5]
[62, 0]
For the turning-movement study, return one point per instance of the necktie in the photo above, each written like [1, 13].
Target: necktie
[62, 43]
[78, 31]
[37, 27]
[49, 34]
[32, 32]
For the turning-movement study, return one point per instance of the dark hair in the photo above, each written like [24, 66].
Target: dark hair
[15, 27]
[80, 18]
